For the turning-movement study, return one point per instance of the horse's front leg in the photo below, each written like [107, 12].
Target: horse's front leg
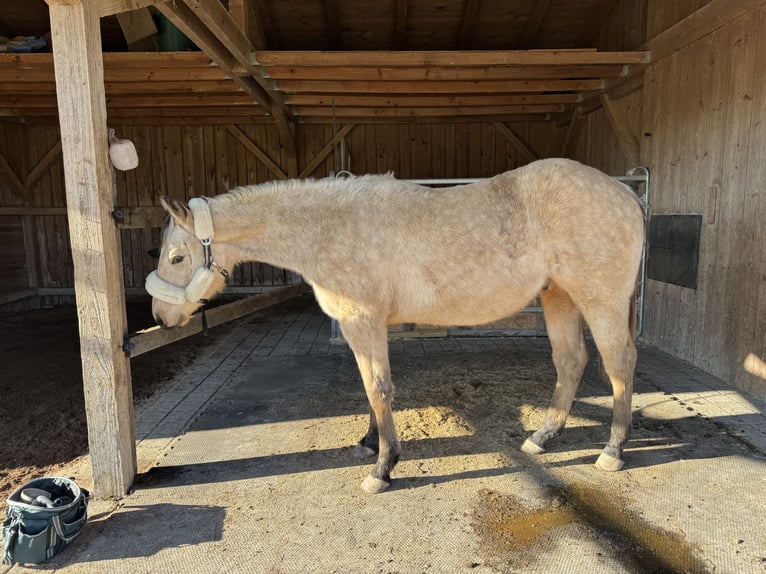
[368, 445]
[368, 339]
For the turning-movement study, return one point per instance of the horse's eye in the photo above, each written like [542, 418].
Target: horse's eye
[177, 259]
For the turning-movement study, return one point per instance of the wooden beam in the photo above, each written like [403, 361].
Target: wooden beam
[153, 338]
[112, 7]
[514, 140]
[707, 19]
[139, 30]
[253, 148]
[535, 20]
[219, 22]
[247, 14]
[187, 21]
[95, 241]
[408, 112]
[451, 73]
[448, 58]
[32, 211]
[618, 119]
[43, 165]
[428, 100]
[592, 101]
[325, 151]
[212, 27]
[332, 86]
[13, 179]
[444, 118]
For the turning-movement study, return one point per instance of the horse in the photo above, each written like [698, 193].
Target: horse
[379, 251]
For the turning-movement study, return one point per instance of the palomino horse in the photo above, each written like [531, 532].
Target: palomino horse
[378, 251]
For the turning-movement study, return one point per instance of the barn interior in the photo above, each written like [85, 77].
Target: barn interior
[216, 94]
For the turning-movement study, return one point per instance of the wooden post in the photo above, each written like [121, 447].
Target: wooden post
[94, 238]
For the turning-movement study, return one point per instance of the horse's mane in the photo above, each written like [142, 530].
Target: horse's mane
[352, 185]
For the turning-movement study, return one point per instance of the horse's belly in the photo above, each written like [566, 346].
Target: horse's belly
[470, 309]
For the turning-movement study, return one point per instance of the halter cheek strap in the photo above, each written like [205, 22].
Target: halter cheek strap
[203, 278]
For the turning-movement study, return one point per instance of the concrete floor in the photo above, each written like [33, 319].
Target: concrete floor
[245, 466]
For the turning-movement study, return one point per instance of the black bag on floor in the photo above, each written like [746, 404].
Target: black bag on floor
[42, 517]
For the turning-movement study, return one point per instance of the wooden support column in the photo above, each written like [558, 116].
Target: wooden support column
[95, 244]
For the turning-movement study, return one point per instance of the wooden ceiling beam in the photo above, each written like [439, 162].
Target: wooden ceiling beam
[440, 111]
[113, 7]
[137, 101]
[444, 119]
[251, 111]
[452, 73]
[535, 20]
[699, 24]
[436, 87]
[447, 58]
[430, 100]
[247, 14]
[210, 26]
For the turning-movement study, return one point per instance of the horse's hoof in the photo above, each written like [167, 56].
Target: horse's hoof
[362, 452]
[530, 447]
[609, 463]
[372, 485]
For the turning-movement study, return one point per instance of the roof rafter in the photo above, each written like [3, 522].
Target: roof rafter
[211, 27]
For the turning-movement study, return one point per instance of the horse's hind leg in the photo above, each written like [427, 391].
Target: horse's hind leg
[565, 331]
[612, 333]
[368, 340]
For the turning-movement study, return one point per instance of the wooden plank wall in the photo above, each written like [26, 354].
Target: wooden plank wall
[186, 161]
[701, 122]
[705, 152]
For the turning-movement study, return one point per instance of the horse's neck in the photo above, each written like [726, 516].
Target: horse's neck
[276, 230]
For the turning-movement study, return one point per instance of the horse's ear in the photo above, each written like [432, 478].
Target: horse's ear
[181, 214]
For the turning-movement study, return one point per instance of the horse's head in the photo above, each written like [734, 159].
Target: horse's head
[187, 274]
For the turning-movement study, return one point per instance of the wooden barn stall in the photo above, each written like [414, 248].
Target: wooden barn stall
[422, 88]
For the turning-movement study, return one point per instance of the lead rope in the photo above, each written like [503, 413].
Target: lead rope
[204, 317]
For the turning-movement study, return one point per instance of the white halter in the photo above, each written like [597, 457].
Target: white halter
[203, 278]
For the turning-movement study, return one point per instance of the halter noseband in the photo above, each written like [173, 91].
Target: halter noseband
[203, 278]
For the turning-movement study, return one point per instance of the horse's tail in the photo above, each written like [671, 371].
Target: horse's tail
[633, 313]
